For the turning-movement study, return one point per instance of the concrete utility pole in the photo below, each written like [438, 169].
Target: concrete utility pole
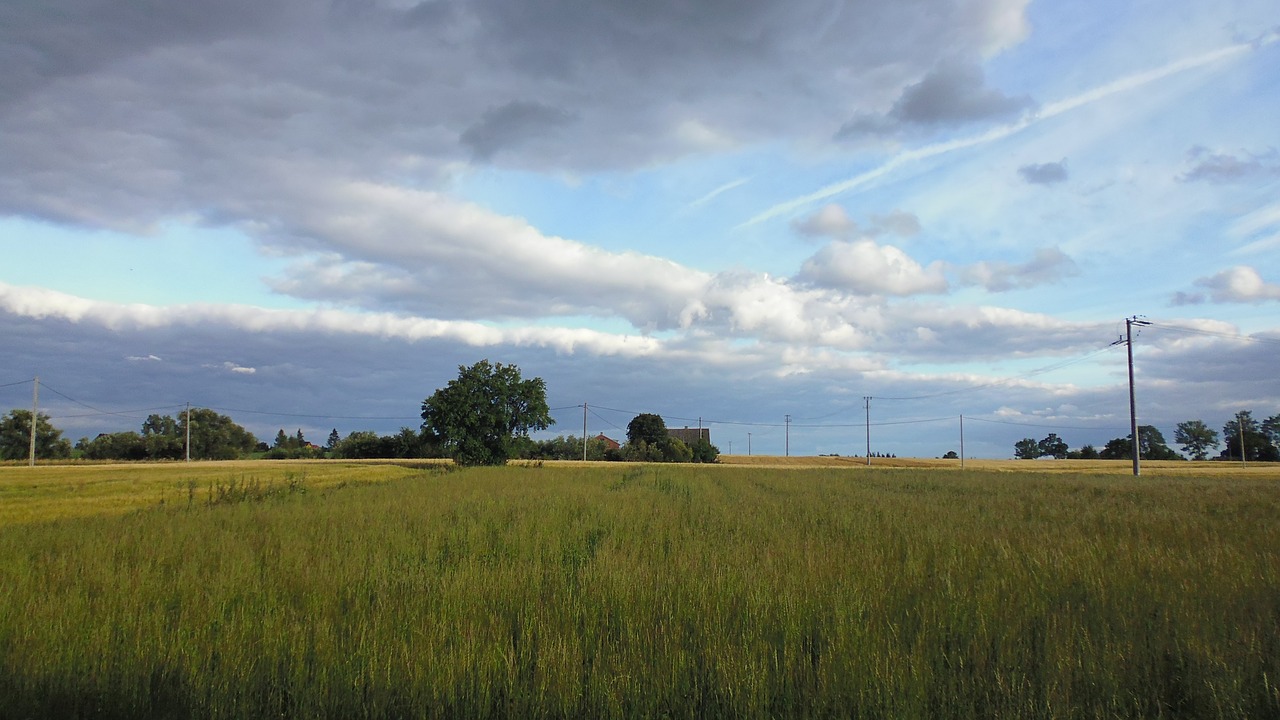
[584, 432]
[35, 415]
[748, 444]
[788, 438]
[188, 432]
[1133, 405]
[962, 442]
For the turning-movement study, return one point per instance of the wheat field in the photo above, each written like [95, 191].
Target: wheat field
[628, 591]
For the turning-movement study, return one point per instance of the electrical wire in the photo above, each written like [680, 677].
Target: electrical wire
[1212, 333]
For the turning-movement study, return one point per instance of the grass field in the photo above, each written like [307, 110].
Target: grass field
[373, 590]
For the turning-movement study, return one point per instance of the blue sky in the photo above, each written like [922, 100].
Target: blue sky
[310, 213]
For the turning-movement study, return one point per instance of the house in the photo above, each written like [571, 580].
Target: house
[690, 436]
[609, 443]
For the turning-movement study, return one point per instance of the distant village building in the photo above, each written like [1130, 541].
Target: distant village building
[690, 436]
[609, 443]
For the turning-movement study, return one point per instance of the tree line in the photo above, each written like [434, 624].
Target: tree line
[484, 417]
[1243, 437]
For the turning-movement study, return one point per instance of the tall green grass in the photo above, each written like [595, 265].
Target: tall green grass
[658, 592]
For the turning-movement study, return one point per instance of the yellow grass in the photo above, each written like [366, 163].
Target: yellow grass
[75, 490]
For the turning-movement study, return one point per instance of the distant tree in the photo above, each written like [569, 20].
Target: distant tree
[334, 439]
[215, 436]
[164, 438]
[1088, 452]
[704, 452]
[1271, 428]
[363, 444]
[282, 441]
[951, 455]
[1054, 446]
[1196, 438]
[1151, 446]
[647, 427]
[1257, 446]
[1026, 449]
[127, 445]
[15, 437]
[478, 416]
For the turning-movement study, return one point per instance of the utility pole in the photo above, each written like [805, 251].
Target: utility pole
[1133, 405]
[35, 416]
[1240, 430]
[788, 439]
[188, 431]
[748, 444]
[962, 442]
[866, 401]
[584, 432]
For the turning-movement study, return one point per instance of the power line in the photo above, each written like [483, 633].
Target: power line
[1051, 427]
[1212, 333]
[20, 382]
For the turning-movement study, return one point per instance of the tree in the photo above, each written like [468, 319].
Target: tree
[1151, 446]
[1053, 445]
[15, 437]
[334, 439]
[215, 436]
[951, 455]
[164, 438]
[1026, 449]
[647, 427]
[127, 445]
[704, 452]
[1196, 438]
[1257, 445]
[478, 416]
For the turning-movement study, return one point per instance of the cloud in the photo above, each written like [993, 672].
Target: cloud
[234, 368]
[1240, 284]
[513, 123]
[1049, 265]
[832, 221]
[1208, 166]
[1098, 93]
[953, 93]
[142, 358]
[1044, 173]
[867, 268]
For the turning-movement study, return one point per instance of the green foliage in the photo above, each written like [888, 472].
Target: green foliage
[704, 452]
[656, 592]
[1196, 438]
[478, 416]
[115, 446]
[1257, 444]
[15, 437]
[563, 448]
[1151, 446]
[647, 427]
[1053, 446]
[1026, 449]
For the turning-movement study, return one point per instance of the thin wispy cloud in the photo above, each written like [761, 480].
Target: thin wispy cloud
[1045, 112]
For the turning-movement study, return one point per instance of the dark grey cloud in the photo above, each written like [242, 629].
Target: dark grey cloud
[1208, 166]
[116, 115]
[953, 93]
[1044, 173]
[514, 123]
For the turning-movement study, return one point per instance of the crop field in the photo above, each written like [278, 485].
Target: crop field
[761, 590]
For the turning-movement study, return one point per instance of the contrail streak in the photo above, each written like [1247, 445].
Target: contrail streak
[1054, 109]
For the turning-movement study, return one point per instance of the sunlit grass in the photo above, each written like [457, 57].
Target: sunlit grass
[652, 591]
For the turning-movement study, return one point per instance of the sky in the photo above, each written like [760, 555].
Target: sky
[750, 215]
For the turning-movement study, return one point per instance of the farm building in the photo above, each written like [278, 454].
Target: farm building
[689, 436]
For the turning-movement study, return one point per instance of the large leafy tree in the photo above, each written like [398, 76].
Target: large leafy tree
[1257, 446]
[1196, 438]
[1053, 446]
[647, 427]
[1151, 446]
[478, 416]
[1026, 449]
[15, 437]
